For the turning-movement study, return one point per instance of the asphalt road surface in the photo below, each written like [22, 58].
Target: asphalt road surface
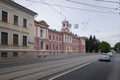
[98, 70]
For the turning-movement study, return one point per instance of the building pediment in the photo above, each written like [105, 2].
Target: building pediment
[44, 23]
[41, 23]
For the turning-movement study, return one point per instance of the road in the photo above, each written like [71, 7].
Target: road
[98, 70]
[44, 68]
[64, 67]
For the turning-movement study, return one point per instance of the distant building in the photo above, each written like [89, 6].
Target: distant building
[16, 30]
[48, 41]
[71, 43]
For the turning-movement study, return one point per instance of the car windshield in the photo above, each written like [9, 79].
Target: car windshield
[103, 53]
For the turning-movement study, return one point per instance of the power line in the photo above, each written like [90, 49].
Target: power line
[111, 2]
[74, 7]
[65, 10]
[61, 8]
[108, 1]
[114, 35]
[48, 5]
[54, 9]
[91, 5]
[102, 31]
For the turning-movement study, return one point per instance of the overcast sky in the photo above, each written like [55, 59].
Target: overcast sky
[97, 18]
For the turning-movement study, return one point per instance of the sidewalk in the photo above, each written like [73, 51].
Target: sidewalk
[16, 59]
[39, 58]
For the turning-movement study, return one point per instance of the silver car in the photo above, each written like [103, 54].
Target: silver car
[110, 53]
[104, 57]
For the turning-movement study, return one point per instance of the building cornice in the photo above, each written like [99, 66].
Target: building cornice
[16, 5]
[42, 24]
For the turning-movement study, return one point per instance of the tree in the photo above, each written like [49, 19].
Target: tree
[95, 44]
[104, 47]
[87, 45]
[91, 44]
[117, 46]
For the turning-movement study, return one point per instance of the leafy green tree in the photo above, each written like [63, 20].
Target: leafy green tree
[117, 46]
[104, 47]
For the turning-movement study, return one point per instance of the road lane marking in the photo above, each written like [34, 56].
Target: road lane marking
[71, 70]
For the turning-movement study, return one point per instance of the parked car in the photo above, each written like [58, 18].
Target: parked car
[104, 57]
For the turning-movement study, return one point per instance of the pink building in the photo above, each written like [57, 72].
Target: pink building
[41, 43]
[48, 41]
[55, 41]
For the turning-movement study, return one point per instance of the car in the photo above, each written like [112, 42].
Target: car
[104, 57]
[110, 53]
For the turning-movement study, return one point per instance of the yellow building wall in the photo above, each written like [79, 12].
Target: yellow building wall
[10, 28]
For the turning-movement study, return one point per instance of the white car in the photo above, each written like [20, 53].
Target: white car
[110, 53]
[104, 57]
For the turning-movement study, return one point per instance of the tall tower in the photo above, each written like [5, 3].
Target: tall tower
[65, 26]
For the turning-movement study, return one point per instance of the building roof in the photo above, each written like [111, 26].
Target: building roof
[16, 5]
[41, 23]
[54, 30]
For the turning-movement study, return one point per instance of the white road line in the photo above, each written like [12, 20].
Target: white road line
[71, 70]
